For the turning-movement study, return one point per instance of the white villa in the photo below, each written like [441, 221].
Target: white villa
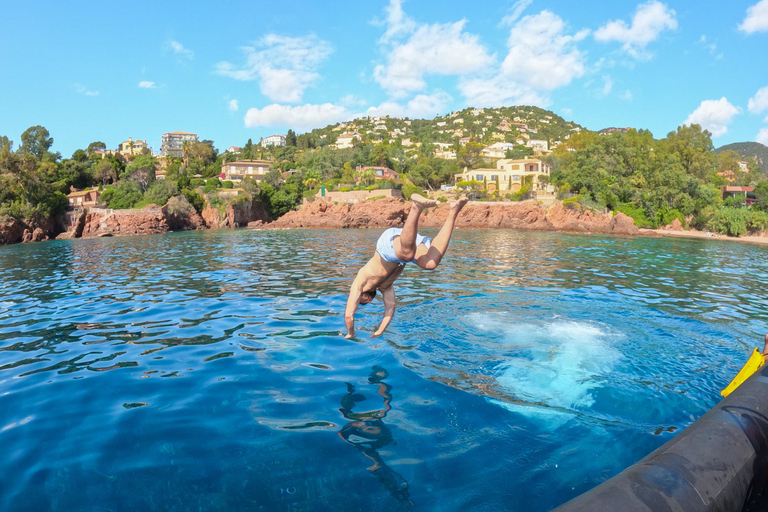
[497, 150]
[273, 140]
[345, 140]
[238, 171]
[509, 175]
[538, 145]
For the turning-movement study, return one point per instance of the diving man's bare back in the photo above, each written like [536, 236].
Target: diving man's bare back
[394, 249]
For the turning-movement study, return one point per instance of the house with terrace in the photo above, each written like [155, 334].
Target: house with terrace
[510, 175]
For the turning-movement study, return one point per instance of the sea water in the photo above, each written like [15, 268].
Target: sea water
[207, 370]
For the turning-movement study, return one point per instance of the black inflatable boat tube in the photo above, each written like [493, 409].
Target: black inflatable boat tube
[717, 464]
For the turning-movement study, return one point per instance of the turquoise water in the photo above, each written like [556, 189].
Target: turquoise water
[205, 370]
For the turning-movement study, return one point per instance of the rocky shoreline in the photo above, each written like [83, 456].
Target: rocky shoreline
[102, 222]
[380, 213]
[390, 212]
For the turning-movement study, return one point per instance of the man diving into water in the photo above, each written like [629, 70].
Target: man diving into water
[395, 248]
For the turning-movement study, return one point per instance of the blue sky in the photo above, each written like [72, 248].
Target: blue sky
[234, 70]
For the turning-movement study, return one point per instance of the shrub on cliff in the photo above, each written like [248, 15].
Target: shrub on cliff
[409, 190]
[196, 200]
[636, 213]
[158, 193]
[180, 207]
[212, 184]
[278, 201]
[122, 196]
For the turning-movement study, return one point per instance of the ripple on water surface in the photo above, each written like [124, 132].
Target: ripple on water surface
[206, 371]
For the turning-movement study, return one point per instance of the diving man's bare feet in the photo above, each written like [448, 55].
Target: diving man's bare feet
[421, 202]
[458, 205]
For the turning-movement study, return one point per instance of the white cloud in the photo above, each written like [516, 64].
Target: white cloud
[426, 106]
[541, 57]
[420, 106]
[498, 91]
[146, 84]
[397, 21]
[234, 106]
[607, 85]
[759, 102]
[178, 49]
[285, 66]
[711, 47]
[566, 111]
[84, 90]
[627, 95]
[762, 136]
[351, 101]
[714, 115]
[301, 117]
[388, 108]
[757, 18]
[439, 49]
[515, 12]
[649, 21]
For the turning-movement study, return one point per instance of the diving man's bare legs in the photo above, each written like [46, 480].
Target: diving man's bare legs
[405, 244]
[429, 259]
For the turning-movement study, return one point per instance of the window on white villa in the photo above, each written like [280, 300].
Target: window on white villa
[515, 177]
[479, 177]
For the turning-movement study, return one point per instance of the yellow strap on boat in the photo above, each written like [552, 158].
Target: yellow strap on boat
[755, 362]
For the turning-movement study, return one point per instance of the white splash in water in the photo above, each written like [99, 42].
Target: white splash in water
[556, 366]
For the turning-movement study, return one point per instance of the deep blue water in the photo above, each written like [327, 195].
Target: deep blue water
[205, 370]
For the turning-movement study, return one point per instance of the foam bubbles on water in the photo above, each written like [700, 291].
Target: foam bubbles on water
[554, 367]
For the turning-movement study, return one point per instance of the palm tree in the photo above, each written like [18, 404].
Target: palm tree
[311, 179]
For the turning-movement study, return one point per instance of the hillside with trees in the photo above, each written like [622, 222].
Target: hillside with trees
[654, 181]
[749, 150]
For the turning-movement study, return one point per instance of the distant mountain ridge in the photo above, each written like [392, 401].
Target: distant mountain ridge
[749, 149]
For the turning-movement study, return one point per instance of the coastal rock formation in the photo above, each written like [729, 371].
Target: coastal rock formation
[124, 222]
[235, 215]
[35, 229]
[11, 231]
[578, 221]
[388, 212]
[675, 225]
[382, 213]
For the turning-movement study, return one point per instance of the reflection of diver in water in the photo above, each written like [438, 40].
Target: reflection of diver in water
[368, 433]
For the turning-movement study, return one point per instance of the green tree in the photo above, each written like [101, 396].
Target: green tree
[159, 193]
[124, 195]
[105, 171]
[5, 144]
[761, 196]
[247, 151]
[142, 170]
[95, 146]
[379, 156]
[36, 141]
[469, 155]
[80, 155]
[693, 148]
[273, 177]
[348, 173]
[290, 139]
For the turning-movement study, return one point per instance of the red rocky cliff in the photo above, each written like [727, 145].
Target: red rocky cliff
[388, 212]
